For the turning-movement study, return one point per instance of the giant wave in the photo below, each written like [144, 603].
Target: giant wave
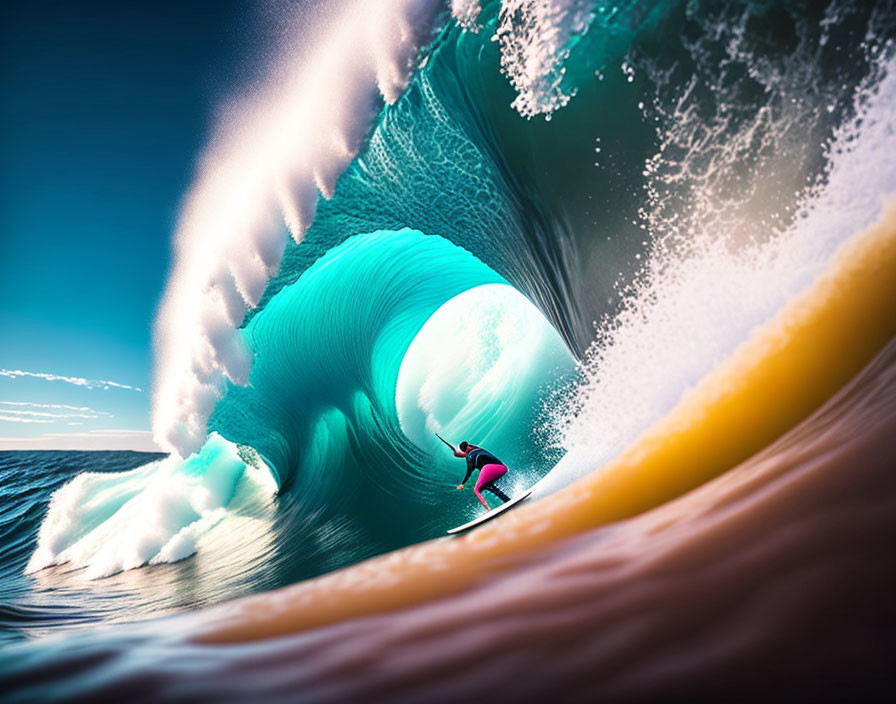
[630, 188]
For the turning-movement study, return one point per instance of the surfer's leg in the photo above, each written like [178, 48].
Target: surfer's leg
[481, 498]
[487, 475]
[490, 472]
[496, 491]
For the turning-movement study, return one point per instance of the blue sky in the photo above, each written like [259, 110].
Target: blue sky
[103, 109]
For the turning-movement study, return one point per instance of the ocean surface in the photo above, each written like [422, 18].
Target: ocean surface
[27, 483]
[643, 252]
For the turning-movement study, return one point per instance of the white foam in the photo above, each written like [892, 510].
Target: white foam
[534, 37]
[110, 522]
[270, 155]
[467, 12]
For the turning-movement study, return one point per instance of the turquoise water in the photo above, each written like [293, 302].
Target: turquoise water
[328, 350]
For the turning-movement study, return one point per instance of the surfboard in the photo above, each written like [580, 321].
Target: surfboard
[491, 514]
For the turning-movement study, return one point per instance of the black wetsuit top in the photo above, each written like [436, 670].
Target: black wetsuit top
[477, 459]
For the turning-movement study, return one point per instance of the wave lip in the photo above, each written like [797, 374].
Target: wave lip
[292, 141]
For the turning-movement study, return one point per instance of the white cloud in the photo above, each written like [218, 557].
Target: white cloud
[61, 406]
[109, 439]
[44, 414]
[20, 419]
[20, 412]
[77, 381]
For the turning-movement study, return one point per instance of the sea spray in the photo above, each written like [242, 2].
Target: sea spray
[700, 294]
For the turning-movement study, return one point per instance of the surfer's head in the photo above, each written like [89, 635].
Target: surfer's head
[463, 446]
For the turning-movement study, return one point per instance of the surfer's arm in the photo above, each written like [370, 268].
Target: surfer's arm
[453, 448]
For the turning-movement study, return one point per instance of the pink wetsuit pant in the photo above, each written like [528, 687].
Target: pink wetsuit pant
[487, 474]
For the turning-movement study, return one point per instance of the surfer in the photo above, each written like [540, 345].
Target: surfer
[490, 469]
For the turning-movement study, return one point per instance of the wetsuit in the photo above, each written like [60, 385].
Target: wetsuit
[490, 468]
